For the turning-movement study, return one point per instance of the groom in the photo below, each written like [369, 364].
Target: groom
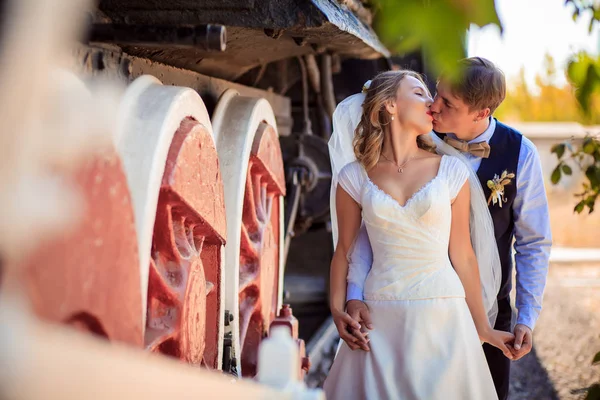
[462, 114]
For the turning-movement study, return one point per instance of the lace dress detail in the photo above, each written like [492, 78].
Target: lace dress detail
[410, 241]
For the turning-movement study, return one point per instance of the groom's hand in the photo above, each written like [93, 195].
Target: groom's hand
[359, 311]
[523, 341]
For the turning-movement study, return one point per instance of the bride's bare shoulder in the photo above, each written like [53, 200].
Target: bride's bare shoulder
[427, 154]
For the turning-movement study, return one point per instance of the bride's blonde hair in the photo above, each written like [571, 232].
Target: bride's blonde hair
[369, 134]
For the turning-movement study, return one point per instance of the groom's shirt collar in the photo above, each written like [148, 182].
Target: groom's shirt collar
[485, 136]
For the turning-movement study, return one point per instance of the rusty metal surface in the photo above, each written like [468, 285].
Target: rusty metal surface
[309, 153]
[259, 248]
[347, 21]
[189, 231]
[89, 276]
[275, 14]
[258, 32]
[117, 65]
[207, 37]
[212, 88]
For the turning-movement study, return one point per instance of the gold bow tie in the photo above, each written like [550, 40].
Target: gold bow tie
[479, 149]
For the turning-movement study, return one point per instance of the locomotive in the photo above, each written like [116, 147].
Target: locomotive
[212, 209]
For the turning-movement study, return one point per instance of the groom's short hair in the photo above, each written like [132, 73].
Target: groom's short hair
[480, 85]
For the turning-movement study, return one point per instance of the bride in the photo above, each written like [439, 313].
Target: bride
[432, 287]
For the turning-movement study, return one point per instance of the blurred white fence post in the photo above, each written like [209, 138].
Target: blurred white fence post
[278, 365]
[40, 361]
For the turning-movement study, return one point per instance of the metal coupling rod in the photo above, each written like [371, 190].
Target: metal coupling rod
[205, 37]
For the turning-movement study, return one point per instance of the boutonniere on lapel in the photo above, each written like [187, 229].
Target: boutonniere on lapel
[496, 185]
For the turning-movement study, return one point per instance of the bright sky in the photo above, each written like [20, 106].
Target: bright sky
[532, 28]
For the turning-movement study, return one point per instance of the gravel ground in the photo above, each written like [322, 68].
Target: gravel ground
[566, 337]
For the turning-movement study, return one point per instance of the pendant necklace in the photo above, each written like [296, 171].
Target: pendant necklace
[400, 167]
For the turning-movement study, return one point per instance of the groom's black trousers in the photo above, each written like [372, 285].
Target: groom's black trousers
[497, 361]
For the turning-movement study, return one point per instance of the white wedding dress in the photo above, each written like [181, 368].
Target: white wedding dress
[424, 345]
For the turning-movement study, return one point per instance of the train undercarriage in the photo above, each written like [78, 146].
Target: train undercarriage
[208, 215]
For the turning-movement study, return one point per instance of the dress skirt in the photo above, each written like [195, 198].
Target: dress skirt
[420, 350]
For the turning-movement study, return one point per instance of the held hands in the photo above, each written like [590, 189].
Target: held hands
[514, 346]
[352, 323]
[500, 339]
[523, 341]
[349, 324]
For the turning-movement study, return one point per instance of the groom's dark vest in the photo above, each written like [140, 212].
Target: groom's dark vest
[505, 146]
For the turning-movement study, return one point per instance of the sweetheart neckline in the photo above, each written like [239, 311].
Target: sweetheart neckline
[421, 189]
[409, 200]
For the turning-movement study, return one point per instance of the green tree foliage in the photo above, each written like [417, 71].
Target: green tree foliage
[545, 100]
[587, 157]
[584, 69]
[594, 390]
[584, 73]
[437, 27]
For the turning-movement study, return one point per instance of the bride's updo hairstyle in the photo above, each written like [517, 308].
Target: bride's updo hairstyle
[369, 134]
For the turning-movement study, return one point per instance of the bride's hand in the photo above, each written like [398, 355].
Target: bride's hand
[344, 324]
[499, 339]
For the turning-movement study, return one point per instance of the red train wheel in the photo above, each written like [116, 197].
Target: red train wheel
[89, 276]
[174, 171]
[183, 291]
[249, 151]
[259, 247]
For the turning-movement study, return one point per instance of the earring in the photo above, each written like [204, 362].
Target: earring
[392, 117]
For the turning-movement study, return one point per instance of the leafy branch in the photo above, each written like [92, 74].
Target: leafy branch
[437, 27]
[587, 157]
[594, 391]
[583, 69]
